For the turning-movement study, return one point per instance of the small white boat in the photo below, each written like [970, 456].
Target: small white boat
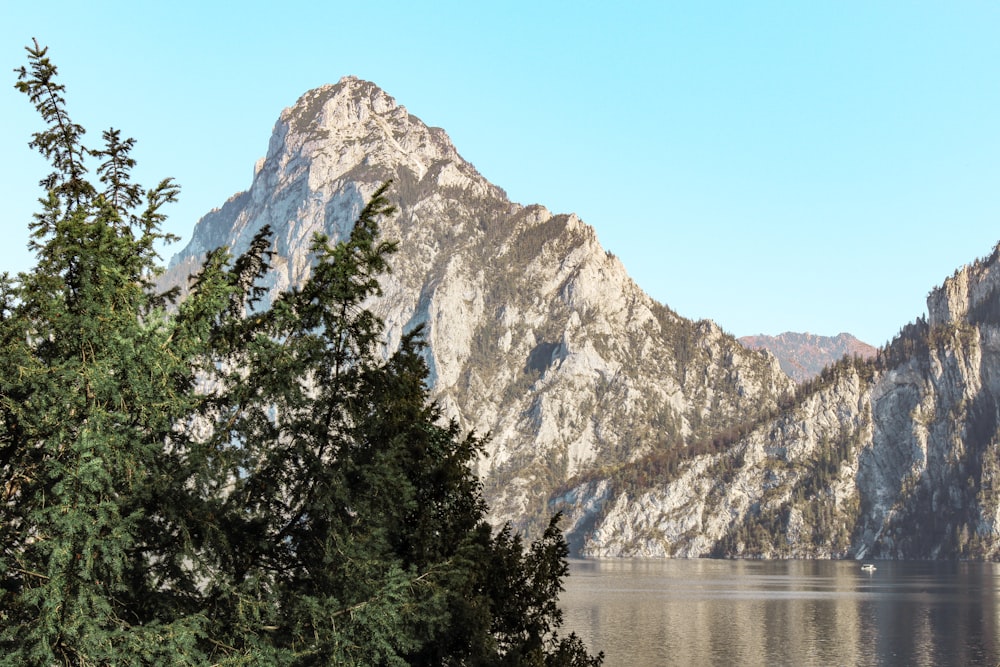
[868, 567]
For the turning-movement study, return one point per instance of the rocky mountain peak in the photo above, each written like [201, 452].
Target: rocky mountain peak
[534, 332]
[327, 153]
[365, 127]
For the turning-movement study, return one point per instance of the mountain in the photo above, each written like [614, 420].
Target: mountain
[534, 332]
[655, 435]
[803, 355]
[896, 457]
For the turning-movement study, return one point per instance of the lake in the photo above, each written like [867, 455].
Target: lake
[721, 612]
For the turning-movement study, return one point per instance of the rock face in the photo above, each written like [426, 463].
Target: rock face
[535, 334]
[897, 457]
[803, 355]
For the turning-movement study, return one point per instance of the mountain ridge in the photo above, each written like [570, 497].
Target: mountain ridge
[894, 457]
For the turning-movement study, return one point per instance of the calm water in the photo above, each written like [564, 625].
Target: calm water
[717, 612]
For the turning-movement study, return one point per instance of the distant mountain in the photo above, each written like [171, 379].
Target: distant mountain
[535, 334]
[803, 355]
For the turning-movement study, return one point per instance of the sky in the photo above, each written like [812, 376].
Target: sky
[773, 166]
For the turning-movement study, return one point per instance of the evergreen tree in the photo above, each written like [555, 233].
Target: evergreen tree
[90, 393]
[224, 482]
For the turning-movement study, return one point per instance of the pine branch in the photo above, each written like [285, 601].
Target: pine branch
[60, 144]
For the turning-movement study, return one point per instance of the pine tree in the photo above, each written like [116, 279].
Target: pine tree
[367, 521]
[227, 482]
[89, 396]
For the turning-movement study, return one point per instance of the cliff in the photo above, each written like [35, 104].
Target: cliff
[896, 457]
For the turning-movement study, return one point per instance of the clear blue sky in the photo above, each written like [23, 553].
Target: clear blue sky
[774, 166]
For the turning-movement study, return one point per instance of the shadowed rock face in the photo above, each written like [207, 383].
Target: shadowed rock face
[535, 334]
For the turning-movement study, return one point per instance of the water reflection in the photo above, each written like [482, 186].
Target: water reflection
[713, 612]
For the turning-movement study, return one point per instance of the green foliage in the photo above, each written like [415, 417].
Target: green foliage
[90, 393]
[228, 482]
[912, 342]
